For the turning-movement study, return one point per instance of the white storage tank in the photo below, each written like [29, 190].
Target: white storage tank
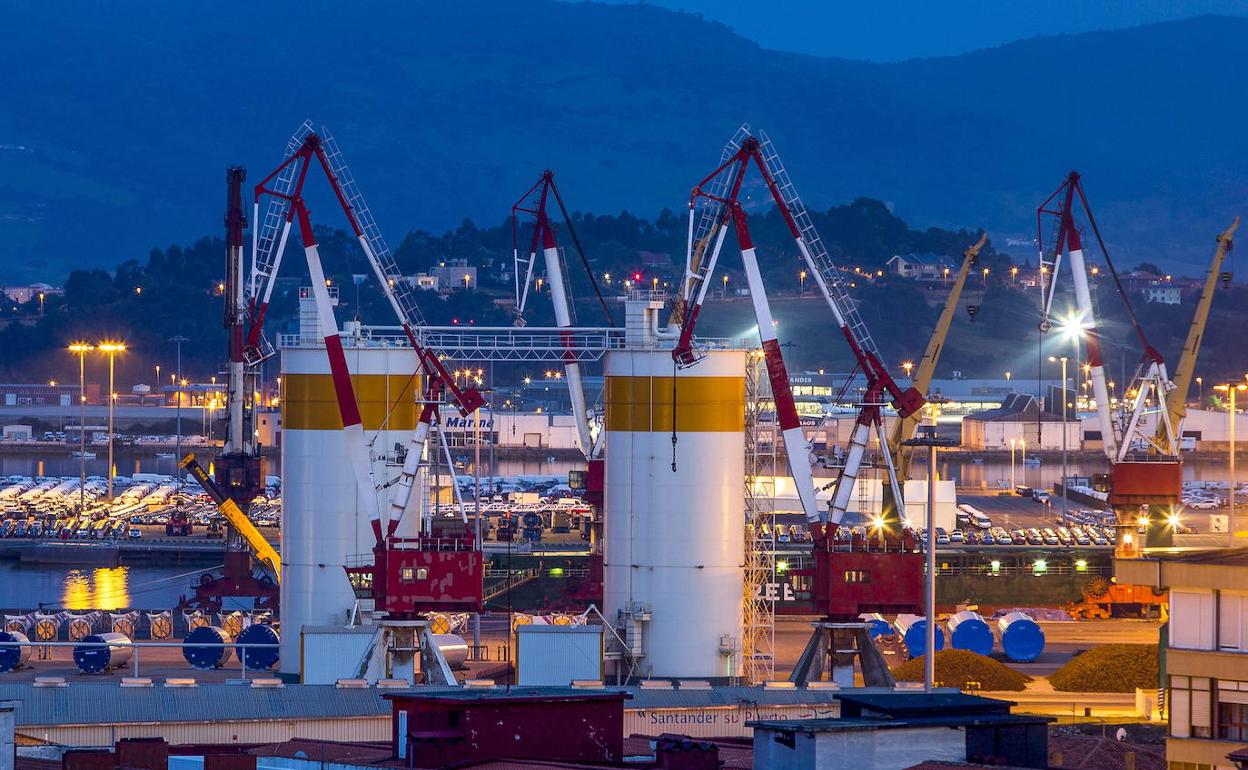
[323, 521]
[674, 539]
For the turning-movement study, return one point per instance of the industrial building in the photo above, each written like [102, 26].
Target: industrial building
[1016, 422]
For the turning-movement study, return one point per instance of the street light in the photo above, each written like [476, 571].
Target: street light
[1065, 432]
[801, 277]
[908, 366]
[927, 438]
[181, 383]
[1200, 383]
[82, 348]
[112, 349]
[1230, 390]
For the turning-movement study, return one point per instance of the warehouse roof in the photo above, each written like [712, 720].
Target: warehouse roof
[80, 704]
[1017, 407]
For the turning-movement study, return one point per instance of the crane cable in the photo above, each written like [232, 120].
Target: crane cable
[563, 210]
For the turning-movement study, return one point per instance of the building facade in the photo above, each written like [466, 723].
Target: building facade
[1205, 661]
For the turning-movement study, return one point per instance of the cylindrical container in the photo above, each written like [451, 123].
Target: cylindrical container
[99, 652]
[674, 540]
[14, 657]
[913, 631]
[968, 631]
[878, 626]
[1022, 639]
[454, 648]
[258, 657]
[207, 658]
[323, 520]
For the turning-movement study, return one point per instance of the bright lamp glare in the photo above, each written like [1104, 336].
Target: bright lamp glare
[1072, 326]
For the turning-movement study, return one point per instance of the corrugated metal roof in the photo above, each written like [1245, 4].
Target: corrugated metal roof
[110, 704]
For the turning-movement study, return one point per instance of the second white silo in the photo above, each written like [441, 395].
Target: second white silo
[674, 535]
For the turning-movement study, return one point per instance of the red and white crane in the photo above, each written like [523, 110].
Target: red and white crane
[714, 204]
[534, 203]
[284, 188]
[1124, 437]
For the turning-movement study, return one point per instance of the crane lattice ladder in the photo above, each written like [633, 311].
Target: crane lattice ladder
[758, 640]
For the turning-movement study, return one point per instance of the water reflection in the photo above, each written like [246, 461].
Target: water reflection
[104, 588]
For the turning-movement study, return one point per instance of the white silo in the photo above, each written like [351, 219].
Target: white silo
[323, 522]
[674, 538]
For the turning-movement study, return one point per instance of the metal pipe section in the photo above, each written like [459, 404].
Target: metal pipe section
[968, 631]
[100, 652]
[913, 630]
[258, 657]
[1022, 639]
[15, 650]
[214, 654]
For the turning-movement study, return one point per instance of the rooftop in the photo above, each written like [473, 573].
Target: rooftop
[508, 694]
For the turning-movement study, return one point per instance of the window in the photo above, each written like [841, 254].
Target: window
[407, 575]
[1191, 619]
[857, 576]
[1232, 619]
[1233, 721]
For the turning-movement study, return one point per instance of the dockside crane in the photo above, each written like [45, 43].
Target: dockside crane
[452, 564]
[1145, 470]
[850, 580]
[1185, 370]
[905, 427]
[714, 205]
[234, 514]
[534, 205]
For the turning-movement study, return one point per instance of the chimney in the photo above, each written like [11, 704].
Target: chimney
[143, 754]
[678, 752]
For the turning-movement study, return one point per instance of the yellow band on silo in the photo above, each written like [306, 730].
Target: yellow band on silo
[702, 404]
[387, 401]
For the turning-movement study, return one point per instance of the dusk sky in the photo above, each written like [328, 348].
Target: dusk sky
[892, 30]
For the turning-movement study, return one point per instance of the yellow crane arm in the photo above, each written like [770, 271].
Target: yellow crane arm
[235, 516]
[906, 427]
[1176, 399]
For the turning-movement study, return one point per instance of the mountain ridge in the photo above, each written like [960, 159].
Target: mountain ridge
[447, 112]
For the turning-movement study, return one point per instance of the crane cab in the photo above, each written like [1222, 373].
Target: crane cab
[442, 572]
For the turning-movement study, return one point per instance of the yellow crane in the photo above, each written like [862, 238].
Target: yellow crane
[905, 428]
[233, 514]
[1176, 399]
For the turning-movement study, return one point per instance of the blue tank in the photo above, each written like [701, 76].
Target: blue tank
[13, 657]
[1022, 639]
[257, 657]
[968, 631]
[100, 652]
[877, 625]
[913, 631]
[207, 658]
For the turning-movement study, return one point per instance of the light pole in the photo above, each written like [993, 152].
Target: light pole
[1230, 390]
[112, 349]
[927, 438]
[181, 383]
[801, 277]
[1200, 384]
[1013, 479]
[1065, 432]
[81, 348]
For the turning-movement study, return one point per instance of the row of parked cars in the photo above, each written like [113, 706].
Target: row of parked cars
[1075, 534]
[70, 529]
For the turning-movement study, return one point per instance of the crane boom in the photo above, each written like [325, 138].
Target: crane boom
[905, 427]
[1176, 399]
[534, 203]
[265, 552]
[713, 205]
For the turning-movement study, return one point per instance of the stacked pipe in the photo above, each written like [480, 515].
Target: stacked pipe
[968, 631]
[1022, 639]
